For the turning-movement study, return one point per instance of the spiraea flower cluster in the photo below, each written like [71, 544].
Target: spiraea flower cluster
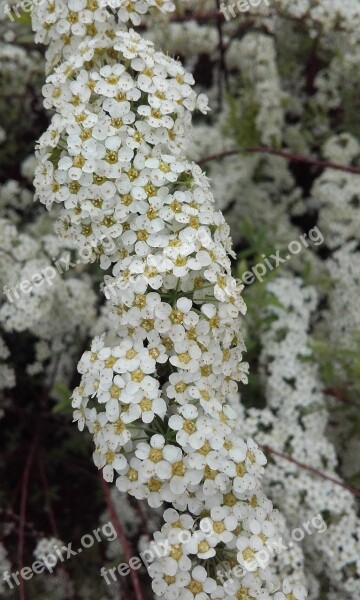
[157, 397]
[64, 25]
[294, 389]
[110, 153]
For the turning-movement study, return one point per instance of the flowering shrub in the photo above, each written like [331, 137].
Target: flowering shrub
[123, 308]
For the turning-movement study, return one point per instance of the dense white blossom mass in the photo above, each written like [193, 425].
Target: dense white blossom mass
[160, 349]
[157, 401]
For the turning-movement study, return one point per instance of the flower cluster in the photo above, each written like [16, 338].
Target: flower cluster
[293, 388]
[109, 155]
[4, 567]
[46, 546]
[64, 25]
[157, 398]
[7, 374]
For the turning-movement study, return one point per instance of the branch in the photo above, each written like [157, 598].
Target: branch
[201, 18]
[339, 395]
[122, 537]
[24, 494]
[284, 154]
[49, 507]
[48, 503]
[305, 159]
[311, 470]
[222, 63]
[217, 156]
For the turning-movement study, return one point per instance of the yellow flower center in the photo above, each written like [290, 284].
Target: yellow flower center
[147, 324]
[112, 79]
[206, 370]
[219, 526]
[72, 17]
[137, 376]
[178, 469]
[111, 157]
[248, 554]
[205, 449]
[175, 206]
[155, 455]
[140, 300]
[119, 427]
[209, 473]
[176, 316]
[110, 456]
[203, 546]
[79, 161]
[117, 123]
[115, 391]
[109, 363]
[189, 426]
[176, 552]
[142, 235]
[229, 499]
[132, 474]
[86, 230]
[145, 404]
[180, 387]
[150, 189]
[184, 358]
[181, 261]
[154, 485]
[195, 587]
[240, 469]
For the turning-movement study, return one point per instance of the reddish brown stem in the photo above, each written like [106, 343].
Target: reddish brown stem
[285, 154]
[339, 395]
[222, 74]
[23, 502]
[49, 506]
[122, 538]
[202, 18]
[217, 156]
[311, 470]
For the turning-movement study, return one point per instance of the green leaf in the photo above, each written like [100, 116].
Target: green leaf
[61, 393]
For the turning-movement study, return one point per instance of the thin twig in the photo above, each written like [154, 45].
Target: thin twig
[122, 537]
[305, 159]
[49, 506]
[284, 154]
[218, 156]
[222, 62]
[202, 18]
[48, 503]
[339, 395]
[24, 494]
[311, 470]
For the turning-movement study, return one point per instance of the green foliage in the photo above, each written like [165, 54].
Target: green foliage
[256, 240]
[62, 393]
[241, 124]
[339, 365]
